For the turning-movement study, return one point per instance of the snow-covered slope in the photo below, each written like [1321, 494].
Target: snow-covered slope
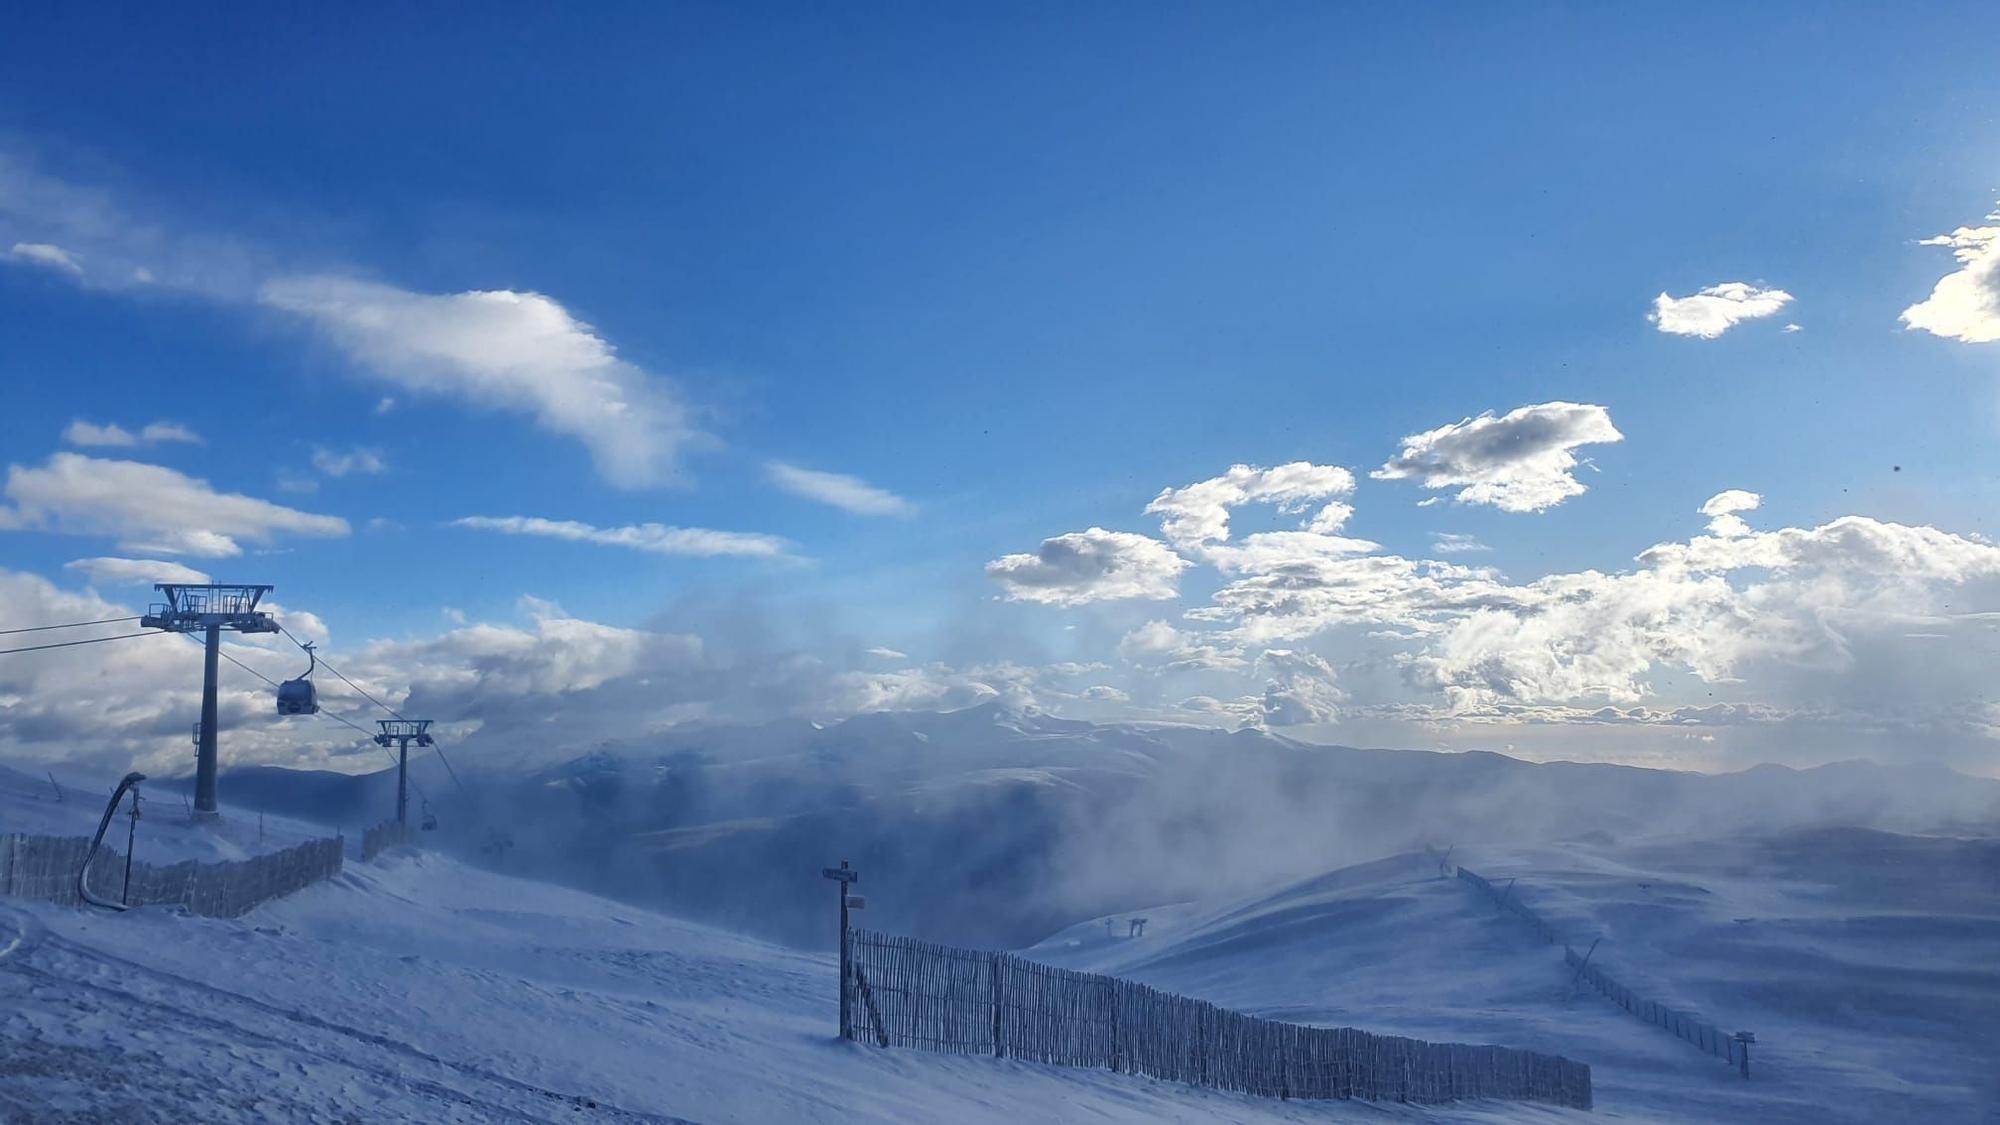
[421, 990]
[165, 833]
[988, 825]
[1868, 965]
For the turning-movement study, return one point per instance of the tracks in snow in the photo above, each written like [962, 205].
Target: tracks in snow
[195, 1036]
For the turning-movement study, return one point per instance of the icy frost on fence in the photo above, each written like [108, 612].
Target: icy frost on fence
[45, 867]
[911, 993]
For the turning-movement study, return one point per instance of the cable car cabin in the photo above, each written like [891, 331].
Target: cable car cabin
[297, 697]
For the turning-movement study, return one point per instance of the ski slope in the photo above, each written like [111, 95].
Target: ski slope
[165, 833]
[1868, 965]
[418, 989]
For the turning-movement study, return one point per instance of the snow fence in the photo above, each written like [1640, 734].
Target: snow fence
[908, 993]
[1684, 1024]
[45, 867]
[379, 839]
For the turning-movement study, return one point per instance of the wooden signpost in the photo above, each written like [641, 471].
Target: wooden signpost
[844, 876]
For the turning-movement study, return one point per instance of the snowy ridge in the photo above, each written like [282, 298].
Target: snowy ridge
[1864, 958]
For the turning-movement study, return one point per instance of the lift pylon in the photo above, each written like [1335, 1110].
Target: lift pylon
[402, 732]
[208, 608]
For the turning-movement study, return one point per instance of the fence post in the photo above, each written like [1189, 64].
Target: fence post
[1743, 1041]
[999, 1044]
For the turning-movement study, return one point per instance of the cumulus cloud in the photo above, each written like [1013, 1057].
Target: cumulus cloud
[1811, 605]
[506, 350]
[1198, 514]
[1722, 507]
[1159, 645]
[128, 703]
[849, 494]
[88, 434]
[148, 508]
[1521, 461]
[1090, 566]
[360, 460]
[47, 256]
[1300, 688]
[1965, 304]
[654, 538]
[109, 571]
[1716, 309]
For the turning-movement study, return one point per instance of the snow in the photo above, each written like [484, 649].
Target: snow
[164, 834]
[419, 989]
[1864, 962]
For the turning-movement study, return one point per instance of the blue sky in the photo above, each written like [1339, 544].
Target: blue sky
[1020, 269]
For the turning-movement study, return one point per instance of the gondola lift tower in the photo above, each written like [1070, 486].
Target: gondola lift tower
[208, 608]
[402, 732]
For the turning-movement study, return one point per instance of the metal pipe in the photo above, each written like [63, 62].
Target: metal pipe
[83, 873]
[131, 836]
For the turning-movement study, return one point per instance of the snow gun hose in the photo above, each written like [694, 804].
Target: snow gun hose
[83, 873]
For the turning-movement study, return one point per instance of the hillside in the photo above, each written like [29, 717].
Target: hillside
[1863, 961]
[993, 825]
[420, 990]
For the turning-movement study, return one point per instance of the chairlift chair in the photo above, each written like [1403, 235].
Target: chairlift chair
[298, 697]
[430, 818]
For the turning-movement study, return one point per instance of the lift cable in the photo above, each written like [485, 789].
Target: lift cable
[384, 706]
[363, 731]
[69, 625]
[69, 644]
[343, 678]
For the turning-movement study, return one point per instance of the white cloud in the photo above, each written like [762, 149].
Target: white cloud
[653, 538]
[849, 494]
[1300, 688]
[1455, 543]
[148, 508]
[506, 350]
[1521, 461]
[1813, 617]
[1716, 309]
[1965, 304]
[881, 653]
[1090, 566]
[1198, 514]
[157, 432]
[80, 432]
[47, 256]
[360, 459]
[1159, 645]
[1722, 508]
[134, 572]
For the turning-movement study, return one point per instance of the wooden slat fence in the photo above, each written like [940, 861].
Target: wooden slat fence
[910, 993]
[1681, 1022]
[382, 837]
[45, 867]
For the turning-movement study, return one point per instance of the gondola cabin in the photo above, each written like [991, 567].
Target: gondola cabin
[299, 697]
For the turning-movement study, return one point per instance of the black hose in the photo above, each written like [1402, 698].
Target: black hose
[83, 873]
